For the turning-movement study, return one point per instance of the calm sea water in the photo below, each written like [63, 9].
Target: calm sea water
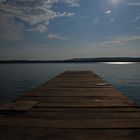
[16, 79]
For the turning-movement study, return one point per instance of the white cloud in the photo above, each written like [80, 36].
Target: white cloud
[70, 14]
[65, 14]
[135, 19]
[134, 4]
[122, 40]
[117, 41]
[39, 28]
[114, 46]
[36, 13]
[56, 36]
[8, 30]
[73, 3]
[108, 12]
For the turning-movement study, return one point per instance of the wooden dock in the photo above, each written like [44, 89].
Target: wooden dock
[75, 105]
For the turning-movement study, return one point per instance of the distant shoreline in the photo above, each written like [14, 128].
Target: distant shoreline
[75, 60]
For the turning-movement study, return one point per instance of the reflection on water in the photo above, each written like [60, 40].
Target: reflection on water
[119, 63]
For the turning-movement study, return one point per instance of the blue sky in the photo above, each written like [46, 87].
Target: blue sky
[61, 29]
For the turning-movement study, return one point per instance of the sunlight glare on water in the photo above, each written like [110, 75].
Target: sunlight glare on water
[119, 63]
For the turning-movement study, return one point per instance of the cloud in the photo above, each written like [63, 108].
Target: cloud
[110, 43]
[134, 4]
[135, 19]
[73, 3]
[70, 14]
[39, 28]
[37, 14]
[117, 41]
[114, 46]
[8, 30]
[56, 36]
[123, 40]
[108, 12]
[65, 14]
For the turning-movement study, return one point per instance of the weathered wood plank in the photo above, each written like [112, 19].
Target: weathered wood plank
[24, 133]
[76, 99]
[71, 123]
[87, 104]
[80, 115]
[80, 85]
[19, 106]
[79, 101]
[44, 91]
[87, 109]
[46, 94]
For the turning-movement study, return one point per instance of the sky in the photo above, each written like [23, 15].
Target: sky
[63, 29]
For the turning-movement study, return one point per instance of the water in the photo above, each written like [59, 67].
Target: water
[16, 79]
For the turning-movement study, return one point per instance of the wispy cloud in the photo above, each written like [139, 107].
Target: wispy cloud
[114, 46]
[124, 39]
[9, 31]
[135, 19]
[73, 3]
[108, 12]
[117, 41]
[39, 28]
[70, 14]
[56, 36]
[36, 13]
[134, 4]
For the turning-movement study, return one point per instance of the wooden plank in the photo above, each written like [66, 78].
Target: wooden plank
[77, 85]
[75, 91]
[45, 94]
[18, 106]
[80, 115]
[25, 133]
[87, 109]
[76, 100]
[71, 123]
[87, 104]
